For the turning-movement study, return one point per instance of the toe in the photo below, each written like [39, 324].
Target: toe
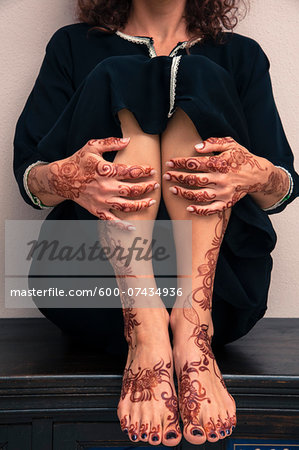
[134, 430]
[144, 429]
[155, 435]
[195, 435]
[171, 433]
[212, 436]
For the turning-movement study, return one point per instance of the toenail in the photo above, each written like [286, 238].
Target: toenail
[155, 438]
[227, 431]
[233, 427]
[197, 432]
[171, 435]
[144, 435]
[134, 437]
[213, 435]
[222, 433]
[125, 430]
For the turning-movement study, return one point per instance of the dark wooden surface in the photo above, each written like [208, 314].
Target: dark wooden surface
[60, 393]
[37, 347]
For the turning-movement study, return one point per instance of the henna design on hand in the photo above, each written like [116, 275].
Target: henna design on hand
[68, 179]
[193, 180]
[195, 196]
[136, 190]
[105, 169]
[128, 206]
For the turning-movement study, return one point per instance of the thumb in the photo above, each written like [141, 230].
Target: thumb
[205, 148]
[108, 144]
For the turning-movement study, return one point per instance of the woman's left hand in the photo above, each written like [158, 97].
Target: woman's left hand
[219, 180]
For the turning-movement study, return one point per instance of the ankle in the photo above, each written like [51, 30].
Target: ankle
[153, 326]
[184, 324]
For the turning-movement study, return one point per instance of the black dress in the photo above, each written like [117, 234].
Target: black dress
[224, 88]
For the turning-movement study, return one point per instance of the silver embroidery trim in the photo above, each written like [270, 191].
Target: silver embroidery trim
[289, 193]
[36, 201]
[139, 40]
[173, 77]
[148, 42]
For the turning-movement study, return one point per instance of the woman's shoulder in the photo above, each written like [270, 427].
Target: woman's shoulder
[76, 32]
[244, 47]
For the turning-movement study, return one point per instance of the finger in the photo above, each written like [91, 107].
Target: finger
[114, 221]
[100, 146]
[215, 144]
[136, 189]
[213, 208]
[193, 195]
[188, 179]
[121, 204]
[123, 171]
[192, 163]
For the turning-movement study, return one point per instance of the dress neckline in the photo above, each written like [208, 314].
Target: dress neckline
[149, 42]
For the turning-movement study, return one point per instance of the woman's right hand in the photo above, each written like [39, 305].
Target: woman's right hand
[94, 183]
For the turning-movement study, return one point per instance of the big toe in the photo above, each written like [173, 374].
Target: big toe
[172, 434]
[195, 435]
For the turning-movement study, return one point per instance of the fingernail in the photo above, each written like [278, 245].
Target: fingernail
[173, 189]
[131, 228]
[157, 185]
[166, 176]
[171, 435]
[190, 208]
[144, 435]
[197, 432]
[124, 140]
[153, 172]
[199, 146]
[169, 164]
[152, 202]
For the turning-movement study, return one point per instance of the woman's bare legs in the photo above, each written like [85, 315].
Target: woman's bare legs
[207, 409]
[148, 407]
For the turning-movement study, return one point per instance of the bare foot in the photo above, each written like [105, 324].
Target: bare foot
[148, 407]
[207, 410]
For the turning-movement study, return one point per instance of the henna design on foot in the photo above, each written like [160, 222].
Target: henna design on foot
[191, 396]
[140, 387]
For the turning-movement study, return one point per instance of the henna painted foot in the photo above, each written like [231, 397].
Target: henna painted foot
[148, 407]
[207, 409]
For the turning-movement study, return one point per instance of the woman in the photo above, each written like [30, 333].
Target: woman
[198, 102]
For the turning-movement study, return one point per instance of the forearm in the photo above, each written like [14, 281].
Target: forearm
[272, 188]
[38, 184]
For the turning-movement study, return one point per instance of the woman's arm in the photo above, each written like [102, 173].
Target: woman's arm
[274, 188]
[51, 93]
[267, 136]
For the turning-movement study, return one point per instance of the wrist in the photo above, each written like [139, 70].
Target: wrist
[38, 187]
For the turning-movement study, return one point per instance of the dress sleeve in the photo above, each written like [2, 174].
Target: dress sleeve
[51, 93]
[266, 133]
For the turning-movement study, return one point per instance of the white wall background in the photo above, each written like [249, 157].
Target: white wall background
[27, 25]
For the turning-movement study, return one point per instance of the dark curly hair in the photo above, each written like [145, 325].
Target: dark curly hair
[204, 18]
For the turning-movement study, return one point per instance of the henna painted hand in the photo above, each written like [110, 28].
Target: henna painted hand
[224, 178]
[98, 185]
